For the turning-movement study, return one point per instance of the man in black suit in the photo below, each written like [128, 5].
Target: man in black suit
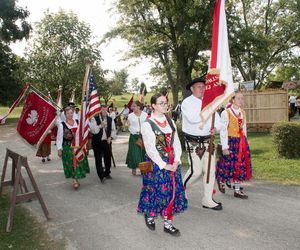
[101, 126]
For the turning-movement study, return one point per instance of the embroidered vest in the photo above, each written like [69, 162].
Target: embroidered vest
[161, 140]
[68, 135]
[233, 124]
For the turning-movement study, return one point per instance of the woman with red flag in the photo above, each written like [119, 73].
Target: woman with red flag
[235, 163]
[162, 191]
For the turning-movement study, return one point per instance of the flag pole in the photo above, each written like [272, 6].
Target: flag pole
[211, 142]
[44, 96]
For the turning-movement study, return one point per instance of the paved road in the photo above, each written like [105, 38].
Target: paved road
[104, 216]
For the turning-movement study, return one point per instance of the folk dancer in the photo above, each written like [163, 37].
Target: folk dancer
[162, 191]
[64, 141]
[197, 140]
[101, 129]
[136, 153]
[235, 163]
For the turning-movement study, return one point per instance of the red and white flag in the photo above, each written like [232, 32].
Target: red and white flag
[90, 106]
[37, 117]
[219, 81]
[129, 104]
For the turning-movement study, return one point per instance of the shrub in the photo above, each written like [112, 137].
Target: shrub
[286, 139]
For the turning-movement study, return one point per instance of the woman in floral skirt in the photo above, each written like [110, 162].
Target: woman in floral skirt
[235, 163]
[162, 191]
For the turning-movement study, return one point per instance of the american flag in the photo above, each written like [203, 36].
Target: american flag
[89, 107]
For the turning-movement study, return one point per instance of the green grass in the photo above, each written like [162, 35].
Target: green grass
[26, 232]
[266, 164]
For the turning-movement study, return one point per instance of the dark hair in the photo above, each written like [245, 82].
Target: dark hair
[155, 97]
[67, 108]
[139, 104]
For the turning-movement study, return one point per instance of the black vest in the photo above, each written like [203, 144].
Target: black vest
[97, 137]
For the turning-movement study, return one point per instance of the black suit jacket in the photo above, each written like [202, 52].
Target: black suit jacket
[97, 137]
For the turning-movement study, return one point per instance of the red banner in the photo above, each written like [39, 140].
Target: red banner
[213, 89]
[37, 117]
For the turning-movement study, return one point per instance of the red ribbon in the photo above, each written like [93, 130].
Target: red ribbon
[169, 149]
[243, 151]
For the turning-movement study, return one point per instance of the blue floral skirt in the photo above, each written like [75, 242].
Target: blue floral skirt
[157, 192]
[226, 165]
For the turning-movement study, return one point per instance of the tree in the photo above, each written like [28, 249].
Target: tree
[57, 54]
[119, 81]
[13, 27]
[134, 85]
[171, 33]
[262, 36]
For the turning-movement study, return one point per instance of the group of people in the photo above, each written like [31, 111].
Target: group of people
[163, 190]
[154, 139]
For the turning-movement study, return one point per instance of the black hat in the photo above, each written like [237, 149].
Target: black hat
[198, 79]
[71, 104]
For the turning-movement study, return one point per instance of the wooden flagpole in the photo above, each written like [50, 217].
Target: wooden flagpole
[211, 142]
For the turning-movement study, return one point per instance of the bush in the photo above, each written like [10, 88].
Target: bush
[286, 138]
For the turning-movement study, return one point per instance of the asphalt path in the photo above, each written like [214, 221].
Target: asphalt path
[103, 216]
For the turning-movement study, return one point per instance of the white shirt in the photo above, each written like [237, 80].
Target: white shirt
[76, 116]
[292, 99]
[95, 129]
[126, 112]
[60, 133]
[112, 115]
[224, 126]
[135, 122]
[190, 110]
[149, 139]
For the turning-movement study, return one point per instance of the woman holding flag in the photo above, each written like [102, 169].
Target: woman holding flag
[65, 140]
[235, 163]
[162, 191]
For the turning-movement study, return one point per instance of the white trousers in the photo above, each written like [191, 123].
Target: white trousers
[200, 169]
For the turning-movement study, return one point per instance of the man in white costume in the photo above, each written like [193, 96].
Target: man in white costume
[197, 140]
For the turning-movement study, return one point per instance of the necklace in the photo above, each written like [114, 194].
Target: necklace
[161, 124]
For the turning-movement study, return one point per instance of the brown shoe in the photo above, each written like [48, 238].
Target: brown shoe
[240, 194]
[221, 187]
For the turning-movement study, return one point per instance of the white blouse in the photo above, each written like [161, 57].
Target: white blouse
[149, 139]
[60, 133]
[135, 122]
[224, 126]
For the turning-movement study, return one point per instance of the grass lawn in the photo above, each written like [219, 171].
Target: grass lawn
[26, 232]
[265, 163]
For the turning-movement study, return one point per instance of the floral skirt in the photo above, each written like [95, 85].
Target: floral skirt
[135, 154]
[157, 192]
[226, 165]
[82, 167]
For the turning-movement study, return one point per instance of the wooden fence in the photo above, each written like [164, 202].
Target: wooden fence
[264, 108]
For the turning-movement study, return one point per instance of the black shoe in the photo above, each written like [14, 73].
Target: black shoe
[240, 194]
[43, 160]
[217, 208]
[102, 180]
[150, 223]
[221, 187]
[172, 230]
[108, 177]
[48, 159]
[219, 203]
